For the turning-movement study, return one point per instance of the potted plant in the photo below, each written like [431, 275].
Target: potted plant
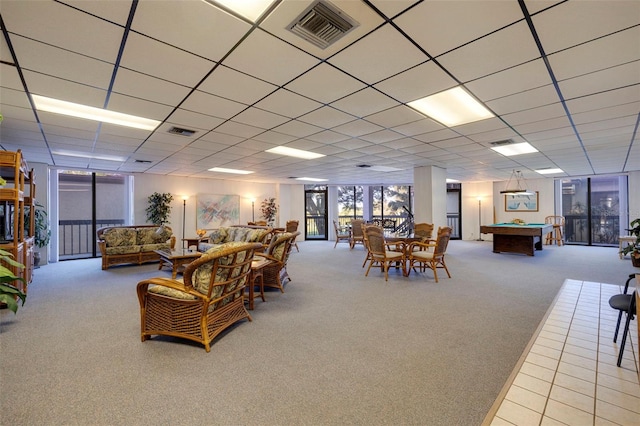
[42, 231]
[159, 208]
[633, 249]
[9, 294]
[269, 209]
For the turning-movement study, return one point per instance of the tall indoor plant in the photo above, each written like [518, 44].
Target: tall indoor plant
[159, 208]
[633, 249]
[269, 209]
[42, 231]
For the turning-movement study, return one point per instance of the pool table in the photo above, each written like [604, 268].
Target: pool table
[512, 238]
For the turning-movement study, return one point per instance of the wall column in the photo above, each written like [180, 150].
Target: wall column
[430, 195]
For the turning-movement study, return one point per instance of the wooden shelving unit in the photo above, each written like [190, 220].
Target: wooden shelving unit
[17, 203]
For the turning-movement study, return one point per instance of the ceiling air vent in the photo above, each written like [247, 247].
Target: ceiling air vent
[179, 131]
[364, 166]
[500, 143]
[142, 161]
[322, 24]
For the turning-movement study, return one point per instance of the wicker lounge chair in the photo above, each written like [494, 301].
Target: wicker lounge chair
[208, 301]
[278, 252]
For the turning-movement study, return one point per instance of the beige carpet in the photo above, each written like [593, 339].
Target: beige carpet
[336, 348]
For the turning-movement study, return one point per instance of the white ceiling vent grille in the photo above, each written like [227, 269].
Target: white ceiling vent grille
[322, 24]
[500, 143]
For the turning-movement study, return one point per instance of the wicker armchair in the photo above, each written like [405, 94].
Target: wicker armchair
[342, 233]
[379, 253]
[292, 226]
[419, 253]
[278, 252]
[207, 301]
[423, 230]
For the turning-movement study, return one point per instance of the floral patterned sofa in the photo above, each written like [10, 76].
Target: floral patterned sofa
[237, 233]
[133, 244]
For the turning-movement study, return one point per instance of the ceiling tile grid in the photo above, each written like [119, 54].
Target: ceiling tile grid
[245, 87]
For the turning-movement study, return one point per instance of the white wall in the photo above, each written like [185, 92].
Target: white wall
[289, 198]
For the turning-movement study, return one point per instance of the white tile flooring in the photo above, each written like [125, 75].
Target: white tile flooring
[569, 375]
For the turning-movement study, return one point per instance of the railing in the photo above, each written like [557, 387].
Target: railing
[403, 223]
[75, 238]
[604, 229]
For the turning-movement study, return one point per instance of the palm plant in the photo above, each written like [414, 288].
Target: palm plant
[9, 294]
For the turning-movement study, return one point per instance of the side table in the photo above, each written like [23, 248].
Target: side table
[176, 259]
[257, 273]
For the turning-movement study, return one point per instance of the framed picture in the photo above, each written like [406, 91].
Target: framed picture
[214, 211]
[521, 203]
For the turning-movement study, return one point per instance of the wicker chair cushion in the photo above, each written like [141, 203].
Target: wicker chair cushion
[120, 237]
[255, 235]
[218, 236]
[278, 250]
[170, 292]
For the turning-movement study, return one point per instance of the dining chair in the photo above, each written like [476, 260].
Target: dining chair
[626, 303]
[357, 237]
[342, 233]
[380, 254]
[419, 253]
[292, 226]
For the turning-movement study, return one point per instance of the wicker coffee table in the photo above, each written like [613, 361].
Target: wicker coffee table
[176, 259]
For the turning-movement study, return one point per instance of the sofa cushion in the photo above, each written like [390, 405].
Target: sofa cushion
[152, 235]
[123, 250]
[120, 237]
[218, 236]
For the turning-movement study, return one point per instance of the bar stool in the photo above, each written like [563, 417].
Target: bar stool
[557, 234]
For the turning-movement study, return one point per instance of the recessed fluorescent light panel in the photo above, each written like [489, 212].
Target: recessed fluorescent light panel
[549, 171]
[384, 169]
[514, 149]
[234, 171]
[452, 107]
[250, 9]
[90, 113]
[89, 156]
[292, 152]
[310, 179]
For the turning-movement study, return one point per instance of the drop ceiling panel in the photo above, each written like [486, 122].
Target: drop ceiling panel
[364, 102]
[265, 57]
[50, 22]
[139, 107]
[587, 21]
[378, 56]
[160, 60]
[212, 105]
[395, 116]
[325, 84]
[326, 117]
[239, 129]
[418, 127]
[61, 63]
[298, 128]
[260, 118]
[513, 80]
[40, 84]
[287, 103]
[427, 22]
[417, 82]
[357, 128]
[194, 121]
[601, 81]
[194, 26]
[143, 86]
[534, 98]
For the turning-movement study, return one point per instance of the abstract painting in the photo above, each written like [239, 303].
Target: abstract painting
[214, 211]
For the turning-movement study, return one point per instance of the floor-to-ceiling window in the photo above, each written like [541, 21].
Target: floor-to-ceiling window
[87, 201]
[350, 203]
[595, 209]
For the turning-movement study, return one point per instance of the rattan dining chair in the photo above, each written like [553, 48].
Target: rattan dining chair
[207, 301]
[292, 226]
[342, 233]
[379, 254]
[420, 253]
[357, 237]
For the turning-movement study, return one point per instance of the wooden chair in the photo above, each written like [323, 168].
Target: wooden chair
[342, 233]
[557, 235]
[419, 253]
[379, 252]
[357, 237]
[292, 226]
[275, 274]
[207, 301]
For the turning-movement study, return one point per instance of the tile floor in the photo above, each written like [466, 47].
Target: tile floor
[570, 376]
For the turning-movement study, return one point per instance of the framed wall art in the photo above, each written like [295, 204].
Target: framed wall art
[521, 202]
[214, 211]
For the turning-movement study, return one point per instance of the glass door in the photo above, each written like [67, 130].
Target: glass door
[594, 210]
[316, 227]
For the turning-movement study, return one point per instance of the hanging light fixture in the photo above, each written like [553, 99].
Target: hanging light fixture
[518, 187]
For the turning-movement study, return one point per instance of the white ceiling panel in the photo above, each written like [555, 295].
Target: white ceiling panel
[243, 88]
